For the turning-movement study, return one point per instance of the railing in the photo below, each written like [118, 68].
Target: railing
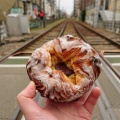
[39, 22]
[108, 25]
[3, 33]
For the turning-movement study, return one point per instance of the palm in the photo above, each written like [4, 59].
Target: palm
[68, 111]
[77, 110]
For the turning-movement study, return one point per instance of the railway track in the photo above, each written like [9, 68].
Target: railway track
[96, 39]
[108, 107]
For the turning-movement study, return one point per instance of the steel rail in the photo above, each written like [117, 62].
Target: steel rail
[110, 66]
[100, 103]
[106, 102]
[106, 61]
[78, 31]
[102, 107]
[61, 32]
[17, 115]
[112, 77]
[112, 41]
[31, 41]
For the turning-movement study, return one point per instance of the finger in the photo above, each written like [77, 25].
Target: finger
[26, 101]
[85, 96]
[92, 100]
[29, 91]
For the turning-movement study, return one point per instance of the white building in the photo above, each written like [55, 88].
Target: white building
[92, 12]
[77, 8]
[49, 8]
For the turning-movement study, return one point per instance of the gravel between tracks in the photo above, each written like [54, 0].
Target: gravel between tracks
[10, 44]
[13, 43]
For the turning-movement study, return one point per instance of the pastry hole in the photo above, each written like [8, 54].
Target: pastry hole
[62, 66]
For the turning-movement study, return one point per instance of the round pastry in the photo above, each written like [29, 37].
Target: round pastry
[64, 69]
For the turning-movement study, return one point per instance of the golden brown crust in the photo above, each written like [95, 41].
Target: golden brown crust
[64, 68]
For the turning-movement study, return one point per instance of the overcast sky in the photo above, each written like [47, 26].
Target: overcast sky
[66, 5]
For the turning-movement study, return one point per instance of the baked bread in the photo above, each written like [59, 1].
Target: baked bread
[64, 69]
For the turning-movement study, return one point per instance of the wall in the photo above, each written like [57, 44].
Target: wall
[111, 5]
[92, 11]
[5, 5]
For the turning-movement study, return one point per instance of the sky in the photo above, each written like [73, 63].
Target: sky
[66, 5]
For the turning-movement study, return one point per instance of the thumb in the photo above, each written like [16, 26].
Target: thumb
[25, 100]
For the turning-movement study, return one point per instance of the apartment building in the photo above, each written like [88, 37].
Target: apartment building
[113, 5]
[50, 8]
[27, 7]
[92, 9]
[76, 8]
[103, 13]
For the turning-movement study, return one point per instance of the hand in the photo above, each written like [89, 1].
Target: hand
[75, 110]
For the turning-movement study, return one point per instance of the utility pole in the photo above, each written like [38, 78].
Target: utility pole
[78, 12]
[84, 10]
[44, 23]
[81, 10]
[104, 4]
[18, 3]
[114, 14]
[40, 4]
[97, 4]
[81, 5]
[59, 7]
[25, 7]
[85, 4]
[32, 4]
[0, 36]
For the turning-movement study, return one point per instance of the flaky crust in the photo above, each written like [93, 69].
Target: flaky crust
[54, 84]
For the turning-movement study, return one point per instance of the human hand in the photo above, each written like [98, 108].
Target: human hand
[75, 110]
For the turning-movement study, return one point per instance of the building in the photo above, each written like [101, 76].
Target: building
[47, 6]
[76, 8]
[92, 12]
[112, 6]
[50, 8]
[82, 8]
[105, 8]
[103, 13]
[27, 7]
[24, 5]
[83, 4]
[111, 10]
[4, 8]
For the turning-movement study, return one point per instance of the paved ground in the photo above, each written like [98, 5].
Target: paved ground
[12, 81]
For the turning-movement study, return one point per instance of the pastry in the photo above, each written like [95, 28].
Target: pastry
[64, 69]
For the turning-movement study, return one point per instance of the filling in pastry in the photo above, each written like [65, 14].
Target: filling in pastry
[65, 67]
[62, 66]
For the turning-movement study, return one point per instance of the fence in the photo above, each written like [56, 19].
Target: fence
[108, 25]
[3, 32]
[39, 23]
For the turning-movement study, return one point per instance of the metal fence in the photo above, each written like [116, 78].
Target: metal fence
[116, 27]
[3, 33]
[41, 23]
